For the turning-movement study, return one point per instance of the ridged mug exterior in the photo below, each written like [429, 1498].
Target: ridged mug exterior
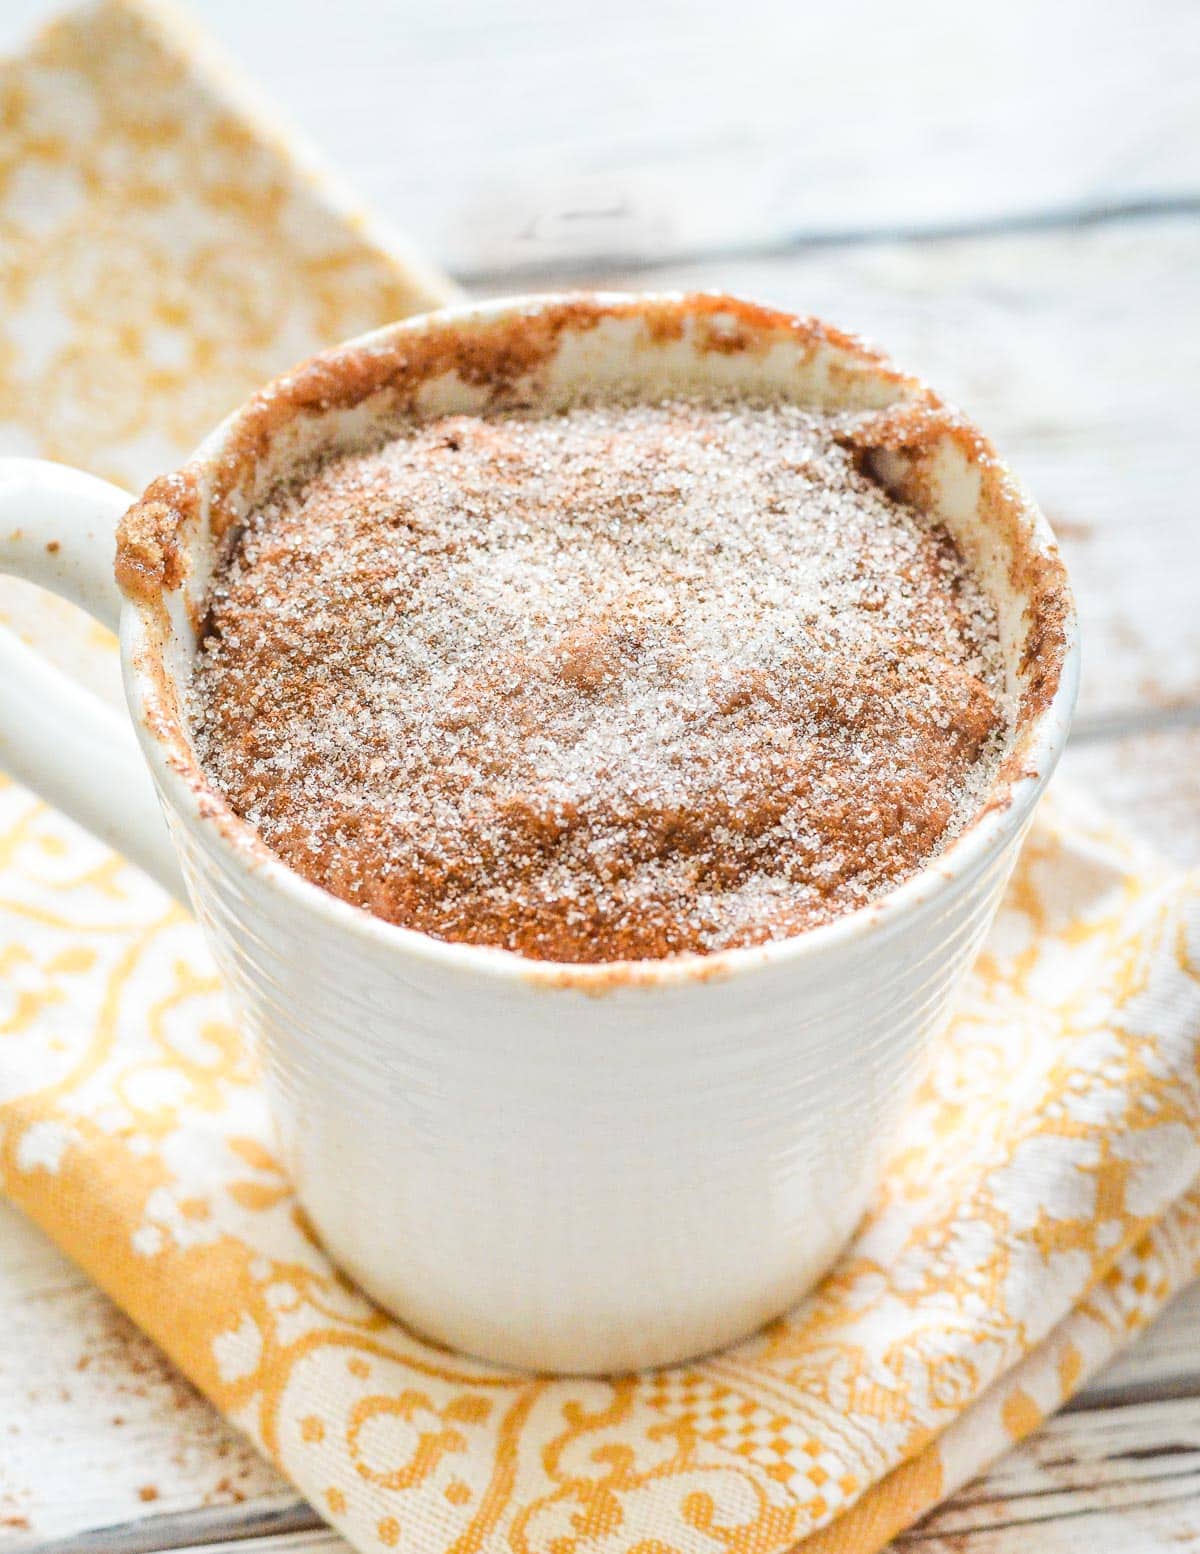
[568, 1182]
[561, 1168]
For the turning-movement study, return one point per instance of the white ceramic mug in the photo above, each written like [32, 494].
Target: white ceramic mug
[575, 1168]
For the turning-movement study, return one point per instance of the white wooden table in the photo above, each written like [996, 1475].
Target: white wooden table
[1013, 207]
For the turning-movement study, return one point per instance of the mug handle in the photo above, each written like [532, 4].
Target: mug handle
[57, 529]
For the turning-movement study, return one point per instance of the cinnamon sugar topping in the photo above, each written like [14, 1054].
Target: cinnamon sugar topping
[615, 683]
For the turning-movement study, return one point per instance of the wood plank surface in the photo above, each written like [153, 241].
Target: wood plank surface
[1075, 343]
[1121, 1480]
[95, 1425]
[98, 1433]
[1076, 350]
[101, 1435]
[1011, 205]
[1125, 1458]
[528, 138]
[171, 1475]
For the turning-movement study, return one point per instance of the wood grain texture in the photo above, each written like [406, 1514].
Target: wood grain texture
[1077, 350]
[1044, 337]
[1153, 776]
[527, 138]
[1125, 1459]
[524, 144]
[1120, 1478]
[1076, 346]
[95, 1425]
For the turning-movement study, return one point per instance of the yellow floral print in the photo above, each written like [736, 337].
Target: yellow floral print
[162, 253]
[1038, 1209]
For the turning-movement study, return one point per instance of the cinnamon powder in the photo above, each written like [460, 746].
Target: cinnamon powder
[616, 683]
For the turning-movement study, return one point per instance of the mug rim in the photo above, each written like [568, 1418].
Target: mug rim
[190, 794]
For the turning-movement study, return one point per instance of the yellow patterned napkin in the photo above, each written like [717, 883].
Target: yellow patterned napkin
[1038, 1210]
[161, 254]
